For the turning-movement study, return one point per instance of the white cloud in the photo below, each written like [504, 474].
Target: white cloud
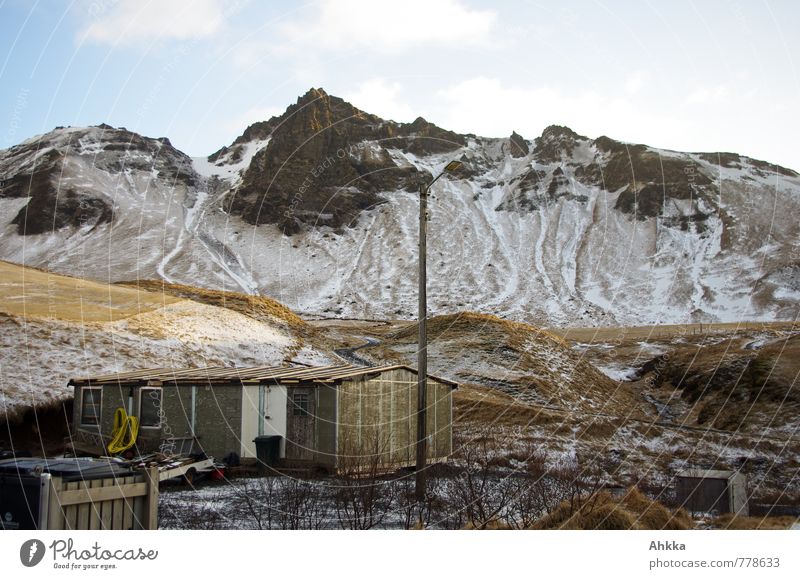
[250, 116]
[391, 26]
[706, 95]
[487, 107]
[380, 97]
[635, 82]
[134, 21]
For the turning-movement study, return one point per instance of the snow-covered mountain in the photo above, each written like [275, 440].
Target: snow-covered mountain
[318, 209]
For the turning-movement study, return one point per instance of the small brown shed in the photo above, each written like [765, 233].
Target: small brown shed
[326, 416]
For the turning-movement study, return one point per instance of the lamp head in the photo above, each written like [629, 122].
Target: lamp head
[453, 166]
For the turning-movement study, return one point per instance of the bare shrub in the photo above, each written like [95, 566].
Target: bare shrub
[361, 500]
[413, 514]
[191, 516]
[302, 505]
[256, 498]
[478, 494]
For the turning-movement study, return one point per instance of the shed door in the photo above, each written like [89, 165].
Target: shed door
[704, 495]
[301, 410]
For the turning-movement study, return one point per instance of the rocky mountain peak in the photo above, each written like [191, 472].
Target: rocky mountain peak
[556, 142]
[317, 167]
[312, 94]
[338, 156]
[560, 132]
[518, 145]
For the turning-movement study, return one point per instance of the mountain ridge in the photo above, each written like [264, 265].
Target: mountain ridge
[316, 207]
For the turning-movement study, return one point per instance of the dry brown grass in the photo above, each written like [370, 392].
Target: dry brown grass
[29, 292]
[483, 405]
[602, 511]
[257, 307]
[726, 386]
[638, 333]
[493, 525]
[600, 428]
[473, 324]
[737, 523]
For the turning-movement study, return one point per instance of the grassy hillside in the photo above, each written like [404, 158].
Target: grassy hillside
[530, 364]
[257, 307]
[30, 292]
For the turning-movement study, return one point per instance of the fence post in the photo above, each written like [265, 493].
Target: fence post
[151, 499]
[55, 514]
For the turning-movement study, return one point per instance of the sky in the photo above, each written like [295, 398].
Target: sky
[691, 76]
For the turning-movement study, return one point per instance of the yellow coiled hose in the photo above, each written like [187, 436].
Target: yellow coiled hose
[123, 425]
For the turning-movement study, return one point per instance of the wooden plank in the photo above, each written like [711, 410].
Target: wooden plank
[94, 507]
[106, 508]
[70, 518]
[55, 516]
[84, 508]
[116, 517]
[127, 512]
[70, 511]
[151, 500]
[81, 493]
[138, 506]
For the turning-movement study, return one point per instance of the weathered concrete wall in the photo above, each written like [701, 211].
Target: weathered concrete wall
[176, 413]
[218, 412]
[115, 396]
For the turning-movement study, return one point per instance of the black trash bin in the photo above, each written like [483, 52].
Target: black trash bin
[268, 450]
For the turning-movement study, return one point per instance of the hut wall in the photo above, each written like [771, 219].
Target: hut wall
[115, 396]
[218, 413]
[177, 413]
[326, 425]
[253, 410]
[379, 416]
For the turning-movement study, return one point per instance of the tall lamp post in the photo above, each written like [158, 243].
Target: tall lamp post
[422, 346]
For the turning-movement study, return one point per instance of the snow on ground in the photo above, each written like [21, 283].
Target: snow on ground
[617, 372]
[223, 167]
[184, 334]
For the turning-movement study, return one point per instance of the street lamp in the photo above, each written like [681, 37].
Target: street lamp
[422, 346]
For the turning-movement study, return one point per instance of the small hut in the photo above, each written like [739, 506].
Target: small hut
[720, 491]
[319, 416]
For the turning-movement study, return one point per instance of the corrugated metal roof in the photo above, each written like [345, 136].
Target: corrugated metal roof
[259, 374]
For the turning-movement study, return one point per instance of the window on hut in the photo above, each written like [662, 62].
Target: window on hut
[91, 401]
[150, 407]
[300, 404]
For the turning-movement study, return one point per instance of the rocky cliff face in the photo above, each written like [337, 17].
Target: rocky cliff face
[327, 161]
[58, 177]
[318, 207]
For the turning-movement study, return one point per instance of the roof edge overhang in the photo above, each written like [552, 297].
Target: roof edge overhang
[223, 376]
